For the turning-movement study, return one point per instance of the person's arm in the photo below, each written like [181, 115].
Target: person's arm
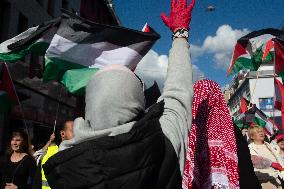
[178, 89]
[51, 139]
[177, 95]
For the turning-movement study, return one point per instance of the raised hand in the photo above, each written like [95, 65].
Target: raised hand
[52, 137]
[180, 15]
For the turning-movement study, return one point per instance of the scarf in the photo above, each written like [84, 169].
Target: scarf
[211, 160]
[114, 97]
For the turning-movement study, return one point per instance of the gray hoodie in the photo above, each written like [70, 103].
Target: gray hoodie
[114, 97]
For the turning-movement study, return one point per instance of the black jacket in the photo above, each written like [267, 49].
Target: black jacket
[141, 158]
[248, 179]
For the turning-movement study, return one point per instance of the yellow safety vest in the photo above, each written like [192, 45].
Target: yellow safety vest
[50, 152]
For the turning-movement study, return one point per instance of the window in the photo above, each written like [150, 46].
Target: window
[266, 103]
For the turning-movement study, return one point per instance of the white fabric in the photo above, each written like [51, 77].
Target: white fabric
[265, 152]
[271, 154]
[96, 55]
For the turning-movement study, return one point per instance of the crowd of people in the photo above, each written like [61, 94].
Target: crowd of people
[21, 167]
[185, 140]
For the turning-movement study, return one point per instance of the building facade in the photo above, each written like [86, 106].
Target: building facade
[258, 88]
[42, 103]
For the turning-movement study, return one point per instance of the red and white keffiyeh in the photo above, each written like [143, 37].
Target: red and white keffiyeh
[211, 160]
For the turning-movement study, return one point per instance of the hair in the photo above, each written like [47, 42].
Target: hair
[280, 140]
[24, 147]
[253, 130]
[58, 130]
[63, 127]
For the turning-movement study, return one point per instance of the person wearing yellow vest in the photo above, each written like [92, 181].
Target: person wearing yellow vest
[66, 133]
[51, 150]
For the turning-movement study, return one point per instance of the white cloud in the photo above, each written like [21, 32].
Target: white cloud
[153, 67]
[196, 51]
[197, 73]
[221, 45]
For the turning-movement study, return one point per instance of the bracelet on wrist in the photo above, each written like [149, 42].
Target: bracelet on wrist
[180, 33]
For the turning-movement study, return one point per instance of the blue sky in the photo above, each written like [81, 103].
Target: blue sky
[232, 19]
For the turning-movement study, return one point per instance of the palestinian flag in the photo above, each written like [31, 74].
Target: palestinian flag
[268, 51]
[80, 48]
[8, 95]
[243, 105]
[264, 122]
[279, 57]
[248, 52]
[279, 98]
[146, 28]
[256, 117]
[75, 48]
[34, 40]
[279, 94]
[241, 124]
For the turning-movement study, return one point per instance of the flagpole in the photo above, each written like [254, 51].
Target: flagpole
[20, 104]
[274, 96]
[257, 75]
[274, 77]
[282, 110]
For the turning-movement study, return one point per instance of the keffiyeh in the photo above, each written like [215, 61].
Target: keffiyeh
[211, 160]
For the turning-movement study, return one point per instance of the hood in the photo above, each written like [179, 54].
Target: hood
[114, 96]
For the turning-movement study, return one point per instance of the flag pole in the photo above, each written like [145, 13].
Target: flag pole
[274, 96]
[274, 77]
[20, 104]
[282, 108]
